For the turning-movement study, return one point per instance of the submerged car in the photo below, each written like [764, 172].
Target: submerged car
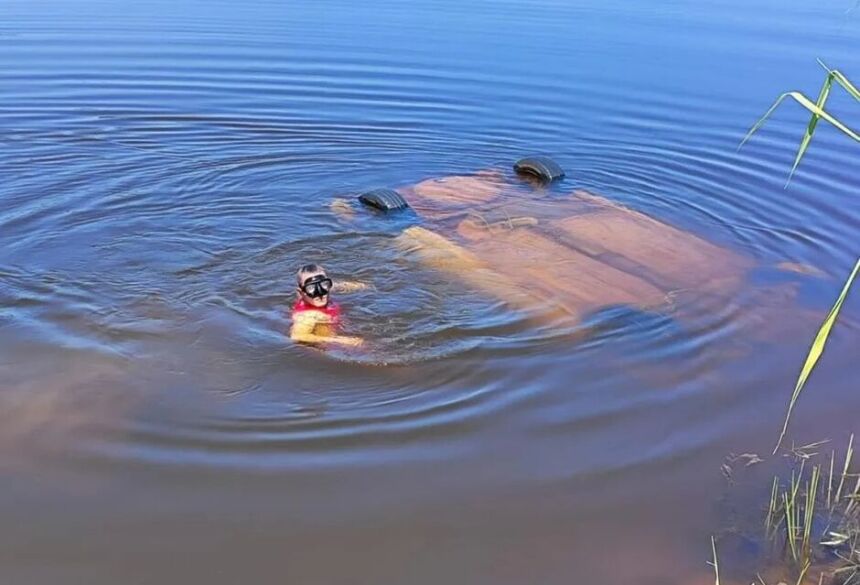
[566, 255]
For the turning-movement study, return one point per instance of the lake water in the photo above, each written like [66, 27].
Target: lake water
[166, 166]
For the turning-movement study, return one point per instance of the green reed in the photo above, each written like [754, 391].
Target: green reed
[809, 513]
[799, 510]
[772, 510]
[804, 502]
[818, 113]
[830, 480]
[848, 455]
[817, 110]
[715, 562]
[815, 352]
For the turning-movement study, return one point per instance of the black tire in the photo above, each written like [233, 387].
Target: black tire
[384, 200]
[542, 167]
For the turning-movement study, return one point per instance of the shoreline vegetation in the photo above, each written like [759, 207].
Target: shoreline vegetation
[809, 530]
[811, 526]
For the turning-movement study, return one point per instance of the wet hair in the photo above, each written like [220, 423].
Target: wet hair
[308, 269]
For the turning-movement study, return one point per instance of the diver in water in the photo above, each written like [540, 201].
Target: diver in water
[315, 316]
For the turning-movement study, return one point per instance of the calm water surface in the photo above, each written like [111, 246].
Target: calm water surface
[166, 166]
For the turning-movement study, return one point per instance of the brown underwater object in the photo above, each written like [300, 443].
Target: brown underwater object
[572, 254]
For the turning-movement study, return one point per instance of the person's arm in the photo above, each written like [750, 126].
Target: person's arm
[348, 286]
[342, 208]
[302, 331]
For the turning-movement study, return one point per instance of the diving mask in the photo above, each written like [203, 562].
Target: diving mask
[317, 286]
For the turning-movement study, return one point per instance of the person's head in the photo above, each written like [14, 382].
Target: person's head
[313, 285]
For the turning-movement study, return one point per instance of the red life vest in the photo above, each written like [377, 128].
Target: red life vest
[331, 309]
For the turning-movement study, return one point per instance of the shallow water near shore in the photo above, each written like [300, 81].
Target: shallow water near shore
[165, 168]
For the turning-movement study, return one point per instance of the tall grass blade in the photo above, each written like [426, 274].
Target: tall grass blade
[802, 573]
[813, 122]
[790, 526]
[842, 80]
[855, 495]
[830, 481]
[771, 510]
[816, 109]
[716, 562]
[847, 85]
[809, 512]
[815, 351]
[848, 455]
[757, 126]
[810, 106]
